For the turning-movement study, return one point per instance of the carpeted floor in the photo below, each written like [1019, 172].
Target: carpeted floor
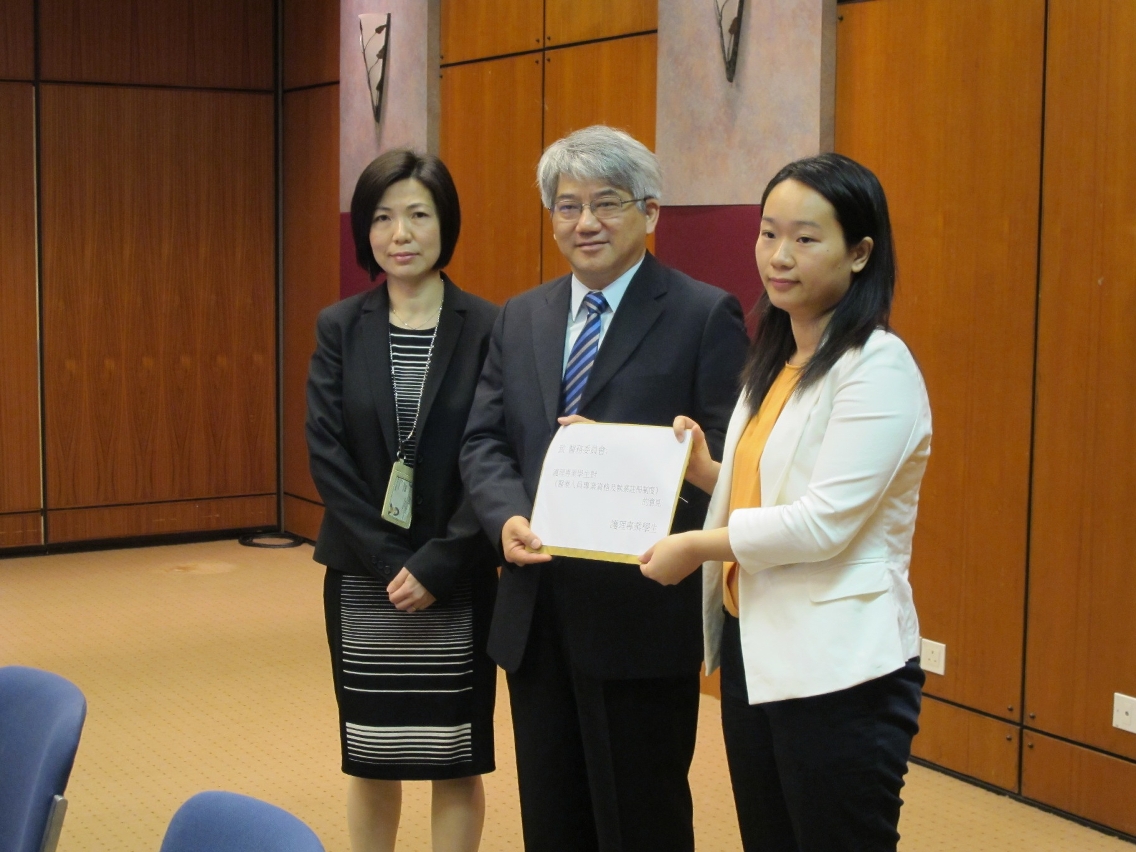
[205, 667]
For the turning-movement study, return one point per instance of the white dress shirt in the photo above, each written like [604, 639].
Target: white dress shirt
[578, 314]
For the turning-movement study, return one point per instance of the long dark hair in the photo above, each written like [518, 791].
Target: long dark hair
[861, 211]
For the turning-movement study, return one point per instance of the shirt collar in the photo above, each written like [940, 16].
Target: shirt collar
[613, 292]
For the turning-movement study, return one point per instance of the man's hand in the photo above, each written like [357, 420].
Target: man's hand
[670, 561]
[407, 594]
[702, 471]
[519, 544]
[573, 418]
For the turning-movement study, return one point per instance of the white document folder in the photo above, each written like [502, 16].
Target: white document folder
[608, 490]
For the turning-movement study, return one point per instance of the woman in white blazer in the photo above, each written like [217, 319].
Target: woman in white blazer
[811, 520]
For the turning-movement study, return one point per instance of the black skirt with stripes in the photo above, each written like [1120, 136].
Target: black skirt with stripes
[415, 690]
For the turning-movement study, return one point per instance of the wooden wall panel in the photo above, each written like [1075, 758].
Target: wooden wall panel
[19, 322]
[233, 513]
[969, 743]
[24, 530]
[311, 256]
[620, 92]
[943, 100]
[216, 43]
[17, 40]
[1082, 646]
[158, 289]
[1083, 782]
[568, 21]
[710, 684]
[475, 29]
[301, 517]
[311, 42]
[490, 140]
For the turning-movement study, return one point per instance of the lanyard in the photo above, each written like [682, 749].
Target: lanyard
[402, 442]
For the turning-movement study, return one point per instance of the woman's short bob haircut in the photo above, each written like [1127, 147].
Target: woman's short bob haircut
[600, 153]
[861, 211]
[376, 179]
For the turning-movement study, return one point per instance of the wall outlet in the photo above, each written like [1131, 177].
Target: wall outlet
[933, 658]
[1124, 712]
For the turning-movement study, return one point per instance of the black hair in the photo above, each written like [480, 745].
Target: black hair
[389, 168]
[861, 211]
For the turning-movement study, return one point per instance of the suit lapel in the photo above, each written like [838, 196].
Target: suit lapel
[638, 310]
[549, 328]
[717, 513]
[376, 336]
[450, 324]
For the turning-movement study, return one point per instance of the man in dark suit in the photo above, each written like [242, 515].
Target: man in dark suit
[602, 663]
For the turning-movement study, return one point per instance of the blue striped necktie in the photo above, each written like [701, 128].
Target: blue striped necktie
[583, 356]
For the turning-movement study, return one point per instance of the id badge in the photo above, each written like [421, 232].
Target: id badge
[400, 493]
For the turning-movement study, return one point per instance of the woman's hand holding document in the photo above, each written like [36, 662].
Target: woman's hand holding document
[608, 490]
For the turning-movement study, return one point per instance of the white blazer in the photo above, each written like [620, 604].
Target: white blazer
[824, 597]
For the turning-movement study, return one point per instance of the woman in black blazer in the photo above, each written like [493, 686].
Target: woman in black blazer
[411, 578]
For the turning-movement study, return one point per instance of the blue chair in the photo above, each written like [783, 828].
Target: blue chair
[229, 822]
[41, 718]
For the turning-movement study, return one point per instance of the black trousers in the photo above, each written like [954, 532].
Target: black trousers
[819, 774]
[602, 764]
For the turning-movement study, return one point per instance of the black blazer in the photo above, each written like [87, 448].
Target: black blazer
[353, 439]
[675, 346]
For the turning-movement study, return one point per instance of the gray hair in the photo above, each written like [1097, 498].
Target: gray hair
[600, 153]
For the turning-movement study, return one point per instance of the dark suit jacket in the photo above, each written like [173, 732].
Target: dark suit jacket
[675, 346]
[353, 439]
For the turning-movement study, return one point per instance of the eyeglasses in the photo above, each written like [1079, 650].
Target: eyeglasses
[604, 207]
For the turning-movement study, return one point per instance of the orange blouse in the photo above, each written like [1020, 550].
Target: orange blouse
[745, 487]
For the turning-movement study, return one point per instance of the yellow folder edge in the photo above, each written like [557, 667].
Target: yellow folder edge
[602, 555]
[607, 556]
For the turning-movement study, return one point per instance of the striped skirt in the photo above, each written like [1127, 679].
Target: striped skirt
[415, 690]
